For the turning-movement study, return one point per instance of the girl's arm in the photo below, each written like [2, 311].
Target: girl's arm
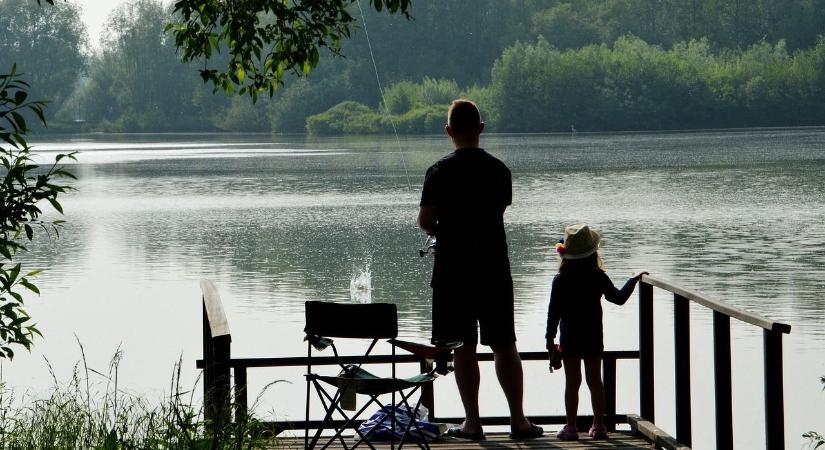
[554, 311]
[619, 296]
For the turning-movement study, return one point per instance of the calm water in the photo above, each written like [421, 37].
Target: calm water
[276, 221]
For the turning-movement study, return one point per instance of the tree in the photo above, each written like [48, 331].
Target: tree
[24, 186]
[137, 82]
[265, 38]
[47, 44]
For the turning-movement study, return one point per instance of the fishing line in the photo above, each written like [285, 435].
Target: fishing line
[383, 100]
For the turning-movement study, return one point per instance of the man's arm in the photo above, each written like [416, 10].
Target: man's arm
[427, 219]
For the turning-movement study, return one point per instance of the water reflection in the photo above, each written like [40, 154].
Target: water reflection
[278, 221]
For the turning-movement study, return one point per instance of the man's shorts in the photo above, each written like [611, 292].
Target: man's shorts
[460, 310]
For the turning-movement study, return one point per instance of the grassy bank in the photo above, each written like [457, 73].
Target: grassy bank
[90, 411]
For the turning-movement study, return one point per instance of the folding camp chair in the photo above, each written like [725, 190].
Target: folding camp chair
[372, 321]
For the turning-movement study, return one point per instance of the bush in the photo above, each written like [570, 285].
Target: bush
[427, 119]
[401, 97]
[347, 118]
[436, 92]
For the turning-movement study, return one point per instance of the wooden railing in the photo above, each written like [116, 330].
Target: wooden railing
[221, 396]
[224, 394]
[722, 313]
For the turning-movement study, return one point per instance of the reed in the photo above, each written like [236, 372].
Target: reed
[91, 411]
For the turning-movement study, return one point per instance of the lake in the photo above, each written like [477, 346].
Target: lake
[278, 220]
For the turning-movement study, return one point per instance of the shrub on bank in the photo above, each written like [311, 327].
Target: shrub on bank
[80, 414]
[426, 119]
[346, 118]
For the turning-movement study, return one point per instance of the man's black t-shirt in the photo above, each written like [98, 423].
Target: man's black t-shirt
[470, 190]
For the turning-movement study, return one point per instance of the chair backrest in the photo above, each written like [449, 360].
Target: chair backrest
[371, 321]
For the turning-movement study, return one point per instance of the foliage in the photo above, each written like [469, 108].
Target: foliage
[666, 64]
[634, 85]
[24, 186]
[47, 44]
[85, 414]
[289, 110]
[137, 82]
[567, 26]
[400, 97]
[435, 92]
[815, 439]
[424, 119]
[346, 118]
[265, 38]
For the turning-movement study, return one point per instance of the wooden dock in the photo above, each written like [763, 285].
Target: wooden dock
[621, 440]
[225, 380]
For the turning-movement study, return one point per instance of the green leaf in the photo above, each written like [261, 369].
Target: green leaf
[15, 271]
[20, 97]
[29, 231]
[28, 285]
[241, 74]
[56, 205]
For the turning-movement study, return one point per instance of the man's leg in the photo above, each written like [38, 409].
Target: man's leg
[511, 378]
[467, 377]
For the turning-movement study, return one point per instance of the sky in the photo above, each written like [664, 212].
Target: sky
[95, 13]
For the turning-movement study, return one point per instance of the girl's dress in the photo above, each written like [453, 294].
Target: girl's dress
[575, 302]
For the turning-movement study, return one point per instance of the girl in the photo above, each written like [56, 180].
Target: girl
[575, 301]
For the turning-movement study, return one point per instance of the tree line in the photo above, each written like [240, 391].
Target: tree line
[531, 65]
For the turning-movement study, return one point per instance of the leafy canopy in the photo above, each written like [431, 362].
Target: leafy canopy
[264, 38]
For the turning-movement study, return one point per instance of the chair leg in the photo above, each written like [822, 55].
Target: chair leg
[335, 406]
[421, 443]
[330, 408]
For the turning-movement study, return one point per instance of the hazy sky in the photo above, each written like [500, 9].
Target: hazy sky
[95, 13]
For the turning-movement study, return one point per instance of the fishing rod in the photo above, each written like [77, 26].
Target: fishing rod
[383, 100]
[429, 245]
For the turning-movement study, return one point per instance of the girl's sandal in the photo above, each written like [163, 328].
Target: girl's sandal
[598, 432]
[568, 433]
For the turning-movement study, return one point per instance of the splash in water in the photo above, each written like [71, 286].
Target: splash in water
[360, 286]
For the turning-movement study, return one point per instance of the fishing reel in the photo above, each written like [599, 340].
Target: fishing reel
[428, 247]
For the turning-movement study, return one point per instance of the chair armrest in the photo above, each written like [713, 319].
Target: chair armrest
[441, 353]
[318, 342]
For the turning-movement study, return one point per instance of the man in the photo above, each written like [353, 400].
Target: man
[462, 204]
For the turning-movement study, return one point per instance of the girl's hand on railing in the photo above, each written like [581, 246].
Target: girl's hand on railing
[639, 276]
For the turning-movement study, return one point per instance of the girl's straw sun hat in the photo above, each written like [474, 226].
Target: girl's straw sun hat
[579, 242]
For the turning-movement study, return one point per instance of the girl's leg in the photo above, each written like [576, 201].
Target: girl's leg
[593, 375]
[573, 380]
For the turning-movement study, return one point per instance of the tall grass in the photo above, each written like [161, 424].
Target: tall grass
[90, 411]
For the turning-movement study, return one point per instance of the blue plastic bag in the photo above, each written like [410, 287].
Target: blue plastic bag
[382, 423]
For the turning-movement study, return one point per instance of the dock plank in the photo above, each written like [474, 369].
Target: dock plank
[618, 440]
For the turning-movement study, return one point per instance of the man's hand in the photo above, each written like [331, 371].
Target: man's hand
[427, 219]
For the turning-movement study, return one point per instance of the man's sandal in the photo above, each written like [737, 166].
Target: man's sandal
[534, 432]
[459, 433]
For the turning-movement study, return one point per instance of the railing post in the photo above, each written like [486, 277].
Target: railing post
[208, 368]
[427, 392]
[774, 401]
[722, 378]
[681, 334]
[610, 393]
[221, 382]
[646, 394]
[241, 402]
